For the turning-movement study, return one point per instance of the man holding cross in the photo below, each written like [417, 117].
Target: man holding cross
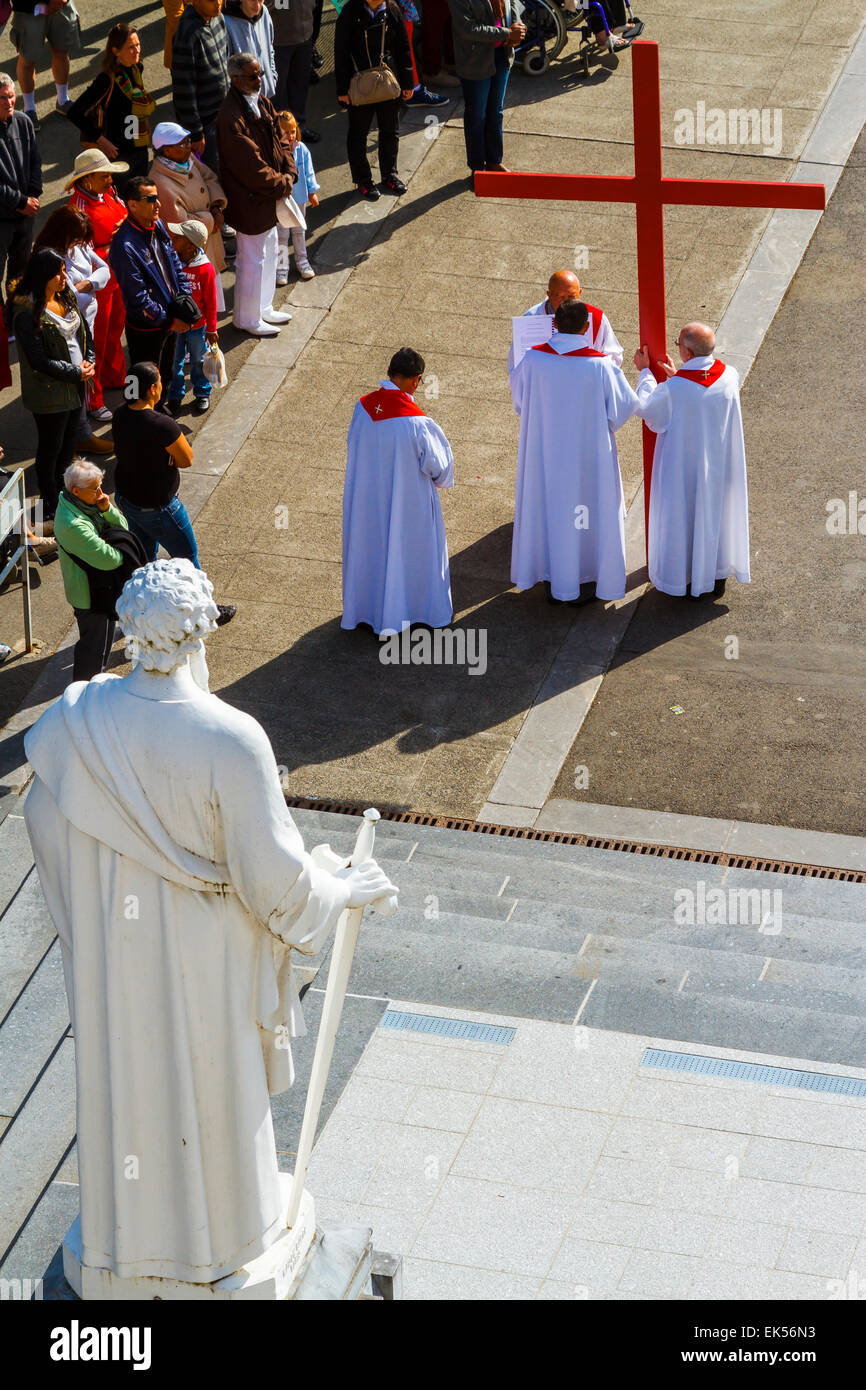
[699, 504]
[569, 513]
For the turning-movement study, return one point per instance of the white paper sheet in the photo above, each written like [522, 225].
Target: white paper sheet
[528, 330]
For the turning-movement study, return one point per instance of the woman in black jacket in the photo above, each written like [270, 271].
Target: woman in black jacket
[103, 110]
[364, 40]
[56, 355]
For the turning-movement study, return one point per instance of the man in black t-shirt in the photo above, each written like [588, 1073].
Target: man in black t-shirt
[150, 447]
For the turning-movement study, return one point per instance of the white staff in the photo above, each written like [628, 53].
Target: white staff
[345, 941]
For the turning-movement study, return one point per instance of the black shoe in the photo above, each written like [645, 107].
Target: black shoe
[318, 60]
[174, 408]
[200, 405]
[392, 184]
[310, 137]
[587, 595]
[227, 612]
[314, 77]
[719, 588]
[367, 191]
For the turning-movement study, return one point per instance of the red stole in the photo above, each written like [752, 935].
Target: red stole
[595, 317]
[389, 405]
[704, 378]
[578, 352]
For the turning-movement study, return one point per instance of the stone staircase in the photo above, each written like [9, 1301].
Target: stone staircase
[507, 926]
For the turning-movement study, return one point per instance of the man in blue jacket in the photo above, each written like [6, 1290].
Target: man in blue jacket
[148, 271]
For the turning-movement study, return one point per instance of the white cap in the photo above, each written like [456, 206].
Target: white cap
[168, 133]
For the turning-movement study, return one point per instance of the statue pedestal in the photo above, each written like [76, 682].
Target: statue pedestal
[272, 1276]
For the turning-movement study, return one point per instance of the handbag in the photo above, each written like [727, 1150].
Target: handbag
[182, 306]
[375, 83]
[96, 113]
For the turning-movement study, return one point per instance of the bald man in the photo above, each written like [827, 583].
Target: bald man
[699, 505]
[562, 285]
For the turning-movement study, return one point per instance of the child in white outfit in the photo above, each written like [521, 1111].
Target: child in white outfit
[305, 193]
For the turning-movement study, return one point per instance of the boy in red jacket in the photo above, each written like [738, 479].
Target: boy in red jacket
[189, 239]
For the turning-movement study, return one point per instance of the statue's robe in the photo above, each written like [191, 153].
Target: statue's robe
[177, 879]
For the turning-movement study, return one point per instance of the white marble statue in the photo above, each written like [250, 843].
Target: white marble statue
[177, 880]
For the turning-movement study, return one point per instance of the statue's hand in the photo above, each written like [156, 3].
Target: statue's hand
[367, 883]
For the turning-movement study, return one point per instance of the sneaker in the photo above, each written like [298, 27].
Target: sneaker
[422, 96]
[227, 612]
[282, 277]
[103, 413]
[200, 405]
[64, 107]
[310, 137]
[367, 191]
[318, 60]
[5, 652]
[393, 184]
[442, 79]
[305, 270]
[174, 408]
[33, 119]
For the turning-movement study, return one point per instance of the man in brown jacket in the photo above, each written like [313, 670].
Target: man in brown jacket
[256, 170]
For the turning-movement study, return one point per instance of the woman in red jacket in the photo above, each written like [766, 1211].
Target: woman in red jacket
[93, 194]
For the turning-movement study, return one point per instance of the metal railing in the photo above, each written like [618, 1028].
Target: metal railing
[13, 518]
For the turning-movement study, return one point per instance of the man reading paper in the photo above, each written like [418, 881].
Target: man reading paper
[562, 285]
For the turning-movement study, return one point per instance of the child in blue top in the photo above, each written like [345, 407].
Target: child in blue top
[305, 194]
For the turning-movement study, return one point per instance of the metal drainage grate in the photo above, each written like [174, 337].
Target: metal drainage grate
[555, 837]
[446, 1027]
[754, 1071]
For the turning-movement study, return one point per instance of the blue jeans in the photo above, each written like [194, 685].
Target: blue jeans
[195, 343]
[484, 99]
[167, 526]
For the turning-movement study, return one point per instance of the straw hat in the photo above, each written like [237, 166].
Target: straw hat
[95, 162]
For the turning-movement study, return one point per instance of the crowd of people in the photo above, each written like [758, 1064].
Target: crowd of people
[122, 287]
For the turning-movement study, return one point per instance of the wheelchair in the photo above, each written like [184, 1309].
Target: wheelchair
[575, 17]
[545, 38]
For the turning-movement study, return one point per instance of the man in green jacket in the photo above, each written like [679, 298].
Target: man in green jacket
[83, 513]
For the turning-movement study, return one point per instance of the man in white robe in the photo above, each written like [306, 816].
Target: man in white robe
[569, 514]
[562, 285]
[395, 556]
[177, 881]
[699, 504]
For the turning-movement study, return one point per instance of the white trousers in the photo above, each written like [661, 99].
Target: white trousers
[256, 277]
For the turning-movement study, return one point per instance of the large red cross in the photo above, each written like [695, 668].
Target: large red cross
[650, 192]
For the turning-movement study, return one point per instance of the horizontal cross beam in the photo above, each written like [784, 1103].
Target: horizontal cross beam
[614, 188]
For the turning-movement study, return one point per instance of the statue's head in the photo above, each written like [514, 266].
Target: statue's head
[166, 611]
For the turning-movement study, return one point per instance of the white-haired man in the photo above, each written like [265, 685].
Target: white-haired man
[257, 171]
[699, 501]
[20, 183]
[179, 884]
[84, 513]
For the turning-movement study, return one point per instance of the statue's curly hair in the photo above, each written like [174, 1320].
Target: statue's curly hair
[166, 611]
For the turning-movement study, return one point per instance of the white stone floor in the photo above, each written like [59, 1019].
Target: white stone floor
[557, 1167]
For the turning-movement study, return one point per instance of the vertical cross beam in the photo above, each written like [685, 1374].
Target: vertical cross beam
[649, 215]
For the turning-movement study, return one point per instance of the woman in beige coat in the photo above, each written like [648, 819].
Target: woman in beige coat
[189, 189]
